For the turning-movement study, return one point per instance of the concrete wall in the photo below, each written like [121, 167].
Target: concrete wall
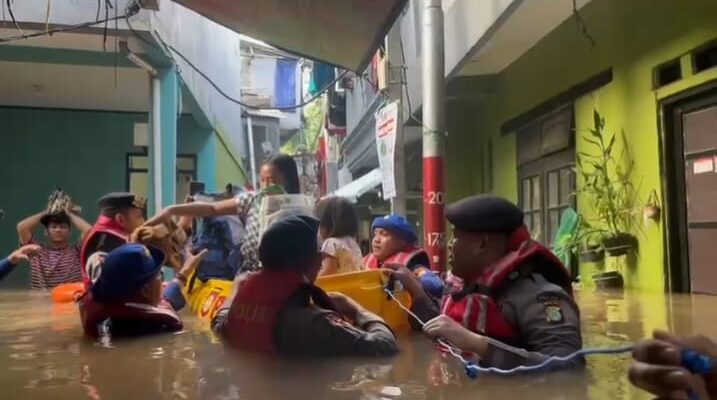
[66, 12]
[84, 152]
[667, 29]
[214, 50]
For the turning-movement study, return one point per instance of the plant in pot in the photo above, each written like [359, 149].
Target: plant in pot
[607, 188]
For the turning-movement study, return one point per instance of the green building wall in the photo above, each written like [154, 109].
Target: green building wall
[632, 37]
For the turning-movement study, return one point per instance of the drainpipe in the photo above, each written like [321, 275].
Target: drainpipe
[398, 203]
[252, 157]
[434, 134]
[156, 143]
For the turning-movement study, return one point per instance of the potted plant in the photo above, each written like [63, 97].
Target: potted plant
[607, 187]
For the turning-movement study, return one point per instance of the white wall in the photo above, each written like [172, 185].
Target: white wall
[214, 50]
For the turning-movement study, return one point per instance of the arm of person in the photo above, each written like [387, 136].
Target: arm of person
[548, 320]
[220, 318]
[8, 264]
[173, 291]
[81, 225]
[329, 265]
[423, 305]
[27, 225]
[310, 331]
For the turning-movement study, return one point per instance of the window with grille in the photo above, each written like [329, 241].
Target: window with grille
[546, 162]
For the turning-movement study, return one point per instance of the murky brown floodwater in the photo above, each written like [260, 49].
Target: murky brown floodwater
[43, 356]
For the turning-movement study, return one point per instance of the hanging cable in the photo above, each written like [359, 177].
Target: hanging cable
[63, 29]
[12, 16]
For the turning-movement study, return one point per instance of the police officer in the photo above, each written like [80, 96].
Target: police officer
[279, 310]
[509, 288]
[120, 214]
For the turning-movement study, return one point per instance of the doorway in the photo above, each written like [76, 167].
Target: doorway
[690, 160]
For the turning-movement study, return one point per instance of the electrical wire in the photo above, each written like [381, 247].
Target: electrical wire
[12, 16]
[63, 29]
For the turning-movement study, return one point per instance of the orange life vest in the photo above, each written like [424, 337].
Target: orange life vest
[260, 298]
[475, 305]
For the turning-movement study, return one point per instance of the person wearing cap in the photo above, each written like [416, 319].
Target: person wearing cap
[395, 248]
[127, 299]
[279, 310]
[120, 214]
[58, 260]
[509, 288]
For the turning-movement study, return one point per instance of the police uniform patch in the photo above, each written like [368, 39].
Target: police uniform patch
[553, 314]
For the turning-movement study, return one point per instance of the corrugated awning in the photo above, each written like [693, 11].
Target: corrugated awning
[345, 33]
[364, 184]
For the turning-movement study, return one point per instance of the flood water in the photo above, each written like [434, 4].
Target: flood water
[43, 356]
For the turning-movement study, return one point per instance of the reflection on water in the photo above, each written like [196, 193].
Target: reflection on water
[45, 357]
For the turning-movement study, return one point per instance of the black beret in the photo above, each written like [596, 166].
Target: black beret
[120, 200]
[485, 213]
[289, 241]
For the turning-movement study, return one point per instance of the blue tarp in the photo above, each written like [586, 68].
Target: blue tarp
[285, 87]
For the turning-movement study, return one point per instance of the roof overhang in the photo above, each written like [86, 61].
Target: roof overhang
[345, 33]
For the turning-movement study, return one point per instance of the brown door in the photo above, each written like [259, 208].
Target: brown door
[699, 129]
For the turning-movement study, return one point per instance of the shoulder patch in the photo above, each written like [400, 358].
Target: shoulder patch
[549, 299]
[553, 314]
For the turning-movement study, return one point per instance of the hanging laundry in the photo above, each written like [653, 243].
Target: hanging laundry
[285, 83]
[321, 75]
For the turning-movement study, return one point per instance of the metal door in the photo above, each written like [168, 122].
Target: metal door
[699, 130]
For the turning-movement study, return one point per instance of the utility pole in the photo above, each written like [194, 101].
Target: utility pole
[395, 92]
[434, 112]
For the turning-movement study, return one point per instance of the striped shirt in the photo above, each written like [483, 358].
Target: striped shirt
[51, 267]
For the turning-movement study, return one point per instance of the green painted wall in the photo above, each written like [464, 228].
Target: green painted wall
[228, 162]
[84, 152]
[632, 38]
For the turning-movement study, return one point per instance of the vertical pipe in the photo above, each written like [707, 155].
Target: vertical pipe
[252, 157]
[156, 144]
[395, 63]
[433, 133]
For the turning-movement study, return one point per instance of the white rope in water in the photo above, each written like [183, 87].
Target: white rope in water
[472, 369]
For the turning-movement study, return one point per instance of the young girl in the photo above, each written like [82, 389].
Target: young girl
[338, 229]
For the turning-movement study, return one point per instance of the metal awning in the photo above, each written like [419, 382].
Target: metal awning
[364, 184]
[345, 33]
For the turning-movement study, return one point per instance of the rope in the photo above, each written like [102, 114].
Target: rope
[692, 361]
[472, 369]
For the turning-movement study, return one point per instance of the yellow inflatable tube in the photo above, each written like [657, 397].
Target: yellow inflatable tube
[365, 287]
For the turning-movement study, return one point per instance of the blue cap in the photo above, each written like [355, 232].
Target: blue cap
[398, 225]
[125, 270]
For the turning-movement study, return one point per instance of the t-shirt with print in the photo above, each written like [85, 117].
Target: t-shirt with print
[347, 253]
[50, 267]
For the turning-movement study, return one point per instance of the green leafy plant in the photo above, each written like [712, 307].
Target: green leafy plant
[606, 184]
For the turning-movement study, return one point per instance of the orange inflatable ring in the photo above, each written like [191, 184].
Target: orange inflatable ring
[67, 292]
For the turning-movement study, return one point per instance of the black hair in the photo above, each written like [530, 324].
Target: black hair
[338, 216]
[287, 168]
[60, 219]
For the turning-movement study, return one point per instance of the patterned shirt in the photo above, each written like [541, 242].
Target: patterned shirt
[51, 267]
[346, 252]
[248, 210]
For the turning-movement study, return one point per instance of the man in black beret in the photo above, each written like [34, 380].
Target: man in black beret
[120, 214]
[279, 309]
[508, 288]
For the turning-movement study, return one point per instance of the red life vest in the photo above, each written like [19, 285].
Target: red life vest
[475, 306]
[106, 225]
[260, 298]
[150, 319]
[404, 258]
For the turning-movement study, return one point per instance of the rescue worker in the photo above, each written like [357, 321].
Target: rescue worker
[279, 310]
[7, 265]
[395, 246]
[127, 298]
[120, 214]
[511, 289]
